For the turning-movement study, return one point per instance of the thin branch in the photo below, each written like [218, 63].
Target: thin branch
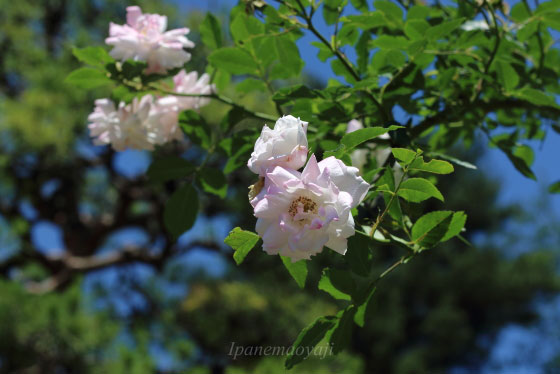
[401, 261]
[480, 84]
[455, 52]
[498, 39]
[393, 79]
[391, 200]
[405, 6]
[336, 25]
[539, 39]
[454, 113]
[390, 269]
[221, 98]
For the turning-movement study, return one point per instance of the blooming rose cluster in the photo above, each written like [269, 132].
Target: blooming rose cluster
[298, 213]
[151, 120]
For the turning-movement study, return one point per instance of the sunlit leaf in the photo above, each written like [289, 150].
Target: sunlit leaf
[443, 29]
[298, 270]
[88, 78]
[211, 32]
[337, 283]
[242, 243]
[94, 56]
[434, 166]
[418, 189]
[233, 60]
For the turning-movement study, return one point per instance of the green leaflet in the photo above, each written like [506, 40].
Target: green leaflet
[242, 243]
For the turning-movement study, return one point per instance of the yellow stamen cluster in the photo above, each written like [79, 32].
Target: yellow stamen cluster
[309, 206]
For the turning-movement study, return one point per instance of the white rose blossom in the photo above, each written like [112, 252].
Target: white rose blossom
[142, 124]
[190, 83]
[285, 145]
[128, 126]
[475, 25]
[300, 213]
[143, 38]
[167, 129]
[359, 157]
[149, 121]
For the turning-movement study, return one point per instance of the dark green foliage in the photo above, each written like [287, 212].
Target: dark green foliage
[181, 210]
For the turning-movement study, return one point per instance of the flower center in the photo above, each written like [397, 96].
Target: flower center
[148, 25]
[302, 205]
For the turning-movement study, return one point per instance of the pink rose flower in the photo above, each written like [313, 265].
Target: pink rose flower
[166, 129]
[285, 145]
[300, 213]
[354, 125]
[191, 84]
[139, 125]
[143, 38]
[149, 121]
[359, 157]
[127, 126]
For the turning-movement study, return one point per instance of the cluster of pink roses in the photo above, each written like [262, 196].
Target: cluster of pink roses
[298, 213]
[151, 120]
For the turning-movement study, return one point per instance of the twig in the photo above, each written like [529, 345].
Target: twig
[456, 52]
[457, 112]
[393, 78]
[380, 217]
[539, 39]
[342, 58]
[221, 98]
[480, 83]
[399, 262]
[391, 268]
